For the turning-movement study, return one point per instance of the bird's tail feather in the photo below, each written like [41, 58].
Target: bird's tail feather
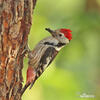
[24, 88]
[32, 84]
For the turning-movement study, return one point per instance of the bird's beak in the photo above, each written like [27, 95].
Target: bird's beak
[52, 32]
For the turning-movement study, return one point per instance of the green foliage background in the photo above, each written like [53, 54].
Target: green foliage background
[76, 69]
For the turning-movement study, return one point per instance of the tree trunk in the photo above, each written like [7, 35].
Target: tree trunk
[15, 24]
[92, 5]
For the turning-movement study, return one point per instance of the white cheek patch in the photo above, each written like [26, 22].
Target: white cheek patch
[67, 41]
[59, 48]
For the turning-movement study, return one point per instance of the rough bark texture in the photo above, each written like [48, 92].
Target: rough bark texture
[15, 23]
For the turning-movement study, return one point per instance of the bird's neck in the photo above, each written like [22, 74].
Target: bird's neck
[57, 45]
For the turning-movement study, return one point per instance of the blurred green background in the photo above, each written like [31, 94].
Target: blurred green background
[76, 69]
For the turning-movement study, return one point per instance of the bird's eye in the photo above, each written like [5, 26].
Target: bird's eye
[60, 34]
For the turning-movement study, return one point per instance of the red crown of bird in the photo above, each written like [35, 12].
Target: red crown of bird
[67, 33]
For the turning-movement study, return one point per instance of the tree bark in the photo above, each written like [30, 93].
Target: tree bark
[15, 24]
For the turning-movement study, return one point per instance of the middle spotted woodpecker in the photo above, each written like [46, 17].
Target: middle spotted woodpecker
[44, 53]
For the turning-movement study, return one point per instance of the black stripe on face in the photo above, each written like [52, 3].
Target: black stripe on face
[60, 44]
[48, 43]
[52, 44]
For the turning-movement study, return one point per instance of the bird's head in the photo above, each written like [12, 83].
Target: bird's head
[62, 35]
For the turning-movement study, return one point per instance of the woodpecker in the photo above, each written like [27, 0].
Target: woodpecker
[44, 53]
